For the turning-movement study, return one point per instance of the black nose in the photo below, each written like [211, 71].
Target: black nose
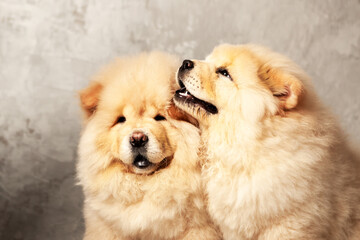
[138, 139]
[187, 65]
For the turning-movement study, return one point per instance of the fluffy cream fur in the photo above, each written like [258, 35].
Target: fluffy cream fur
[278, 164]
[121, 201]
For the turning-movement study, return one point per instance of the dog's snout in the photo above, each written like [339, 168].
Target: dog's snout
[138, 139]
[187, 65]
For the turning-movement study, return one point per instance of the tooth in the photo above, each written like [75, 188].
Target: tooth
[184, 94]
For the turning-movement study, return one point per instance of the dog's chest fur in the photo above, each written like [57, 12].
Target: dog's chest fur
[146, 209]
[253, 186]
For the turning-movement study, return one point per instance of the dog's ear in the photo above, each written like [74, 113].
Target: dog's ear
[284, 85]
[89, 98]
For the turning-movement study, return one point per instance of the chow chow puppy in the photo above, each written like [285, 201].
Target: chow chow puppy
[278, 165]
[138, 167]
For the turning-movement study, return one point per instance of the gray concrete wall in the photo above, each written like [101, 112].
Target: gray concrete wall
[50, 48]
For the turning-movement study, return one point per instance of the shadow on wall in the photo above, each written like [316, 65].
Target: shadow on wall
[40, 210]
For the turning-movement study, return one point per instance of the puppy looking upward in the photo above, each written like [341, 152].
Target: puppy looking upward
[279, 166]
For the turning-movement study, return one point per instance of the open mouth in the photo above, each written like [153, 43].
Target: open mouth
[183, 95]
[142, 163]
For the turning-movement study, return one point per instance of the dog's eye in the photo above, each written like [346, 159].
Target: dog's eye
[224, 72]
[121, 119]
[159, 117]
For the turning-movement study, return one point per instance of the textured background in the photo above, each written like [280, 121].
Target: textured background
[50, 48]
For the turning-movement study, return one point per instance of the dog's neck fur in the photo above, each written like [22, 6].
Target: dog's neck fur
[240, 144]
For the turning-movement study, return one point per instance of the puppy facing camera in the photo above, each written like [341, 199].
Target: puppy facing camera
[138, 162]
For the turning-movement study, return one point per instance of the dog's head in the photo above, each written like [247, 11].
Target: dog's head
[249, 81]
[126, 117]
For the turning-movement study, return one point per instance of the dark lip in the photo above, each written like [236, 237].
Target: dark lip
[141, 162]
[183, 95]
[156, 167]
[181, 84]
